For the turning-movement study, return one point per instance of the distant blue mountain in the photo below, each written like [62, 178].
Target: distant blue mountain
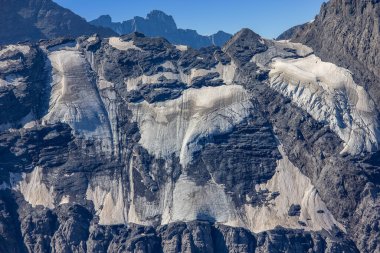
[33, 20]
[159, 24]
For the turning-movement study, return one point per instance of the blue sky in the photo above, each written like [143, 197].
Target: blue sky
[267, 17]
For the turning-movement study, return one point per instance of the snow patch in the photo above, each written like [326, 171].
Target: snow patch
[280, 49]
[107, 196]
[33, 189]
[121, 45]
[65, 200]
[293, 188]
[207, 202]
[9, 64]
[182, 48]
[168, 65]
[175, 126]
[74, 98]
[29, 121]
[184, 200]
[329, 94]
[92, 39]
[64, 46]
[12, 80]
[300, 49]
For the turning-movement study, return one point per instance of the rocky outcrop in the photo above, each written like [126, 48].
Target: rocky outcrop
[21, 84]
[346, 33]
[206, 237]
[159, 24]
[33, 20]
[144, 146]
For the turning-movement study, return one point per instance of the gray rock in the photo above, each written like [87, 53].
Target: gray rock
[21, 98]
[244, 45]
[346, 33]
[294, 210]
[63, 190]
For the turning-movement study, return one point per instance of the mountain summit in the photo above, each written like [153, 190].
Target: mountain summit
[159, 24]
[41, 19]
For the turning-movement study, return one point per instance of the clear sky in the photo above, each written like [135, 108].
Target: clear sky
[269, 18]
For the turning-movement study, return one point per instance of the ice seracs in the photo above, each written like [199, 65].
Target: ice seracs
[330, 95]
[327, 92]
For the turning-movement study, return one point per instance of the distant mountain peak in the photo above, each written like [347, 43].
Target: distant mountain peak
[246, 32]
[158, 14]
[105, 18]
[159, 24]
[33, 20]
[244, 44]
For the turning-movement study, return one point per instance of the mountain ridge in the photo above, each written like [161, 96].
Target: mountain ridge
[41, 19]
[134, 144]
[158, 23]
[132, 150]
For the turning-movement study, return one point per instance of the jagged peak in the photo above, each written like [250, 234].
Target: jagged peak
[244, 34]
[159, 24]
[158, 13]
[244, 45]
[161, 17]
[221, 32]
[106, 17]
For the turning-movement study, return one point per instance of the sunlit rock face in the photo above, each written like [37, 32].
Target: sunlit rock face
[140, 144]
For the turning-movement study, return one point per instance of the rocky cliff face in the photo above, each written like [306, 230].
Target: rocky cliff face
[137, 145]
[33, 20]
[347, 33]
[159, 24]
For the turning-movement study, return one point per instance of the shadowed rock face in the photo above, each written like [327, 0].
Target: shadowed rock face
[159, 24]
[143, 146]
[33, 20]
